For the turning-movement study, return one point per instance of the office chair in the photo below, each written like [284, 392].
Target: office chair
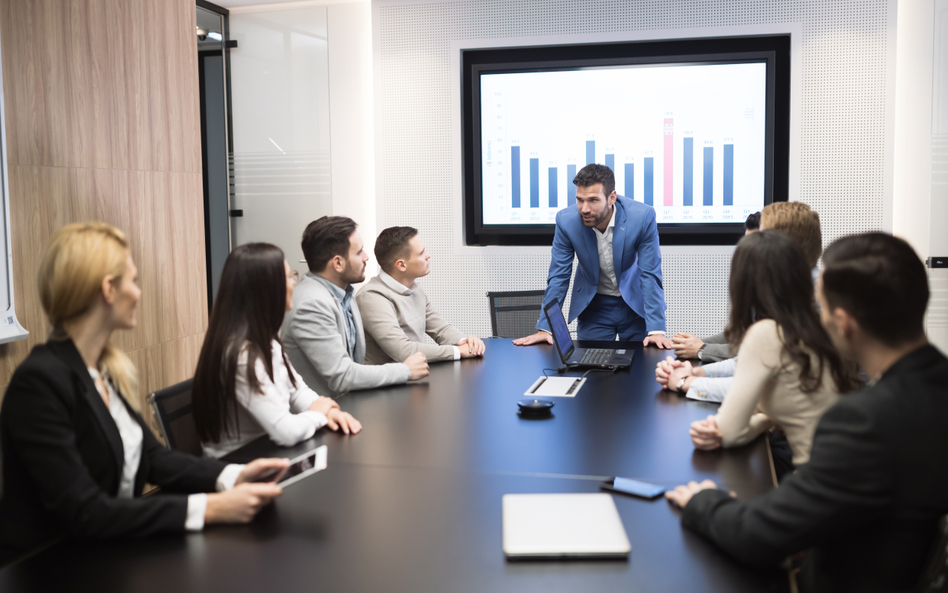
[172, 406]
[514, 314]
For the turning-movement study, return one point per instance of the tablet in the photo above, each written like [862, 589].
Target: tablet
[300, 467]
[305, 465]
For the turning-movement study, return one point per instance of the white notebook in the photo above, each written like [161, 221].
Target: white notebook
[563, 526]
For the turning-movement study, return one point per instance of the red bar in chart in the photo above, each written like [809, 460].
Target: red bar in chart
[669, 137]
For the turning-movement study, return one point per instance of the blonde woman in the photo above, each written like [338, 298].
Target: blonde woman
[75, 452]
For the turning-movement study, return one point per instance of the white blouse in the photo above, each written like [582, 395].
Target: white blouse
[279, 409]
[132, 437]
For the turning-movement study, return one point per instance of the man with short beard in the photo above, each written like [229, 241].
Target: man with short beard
[618, 286]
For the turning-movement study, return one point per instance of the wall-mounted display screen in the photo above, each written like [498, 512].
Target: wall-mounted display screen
[687, 129]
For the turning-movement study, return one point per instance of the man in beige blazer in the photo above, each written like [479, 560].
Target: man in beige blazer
[396, 311]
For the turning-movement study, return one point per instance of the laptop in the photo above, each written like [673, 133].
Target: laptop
[563, 526]
[597, 358]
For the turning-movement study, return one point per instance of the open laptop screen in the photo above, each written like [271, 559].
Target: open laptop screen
[558, 326]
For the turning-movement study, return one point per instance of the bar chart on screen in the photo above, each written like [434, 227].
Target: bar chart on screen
[685, 140]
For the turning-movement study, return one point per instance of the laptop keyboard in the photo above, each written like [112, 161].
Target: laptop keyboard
[596, 356]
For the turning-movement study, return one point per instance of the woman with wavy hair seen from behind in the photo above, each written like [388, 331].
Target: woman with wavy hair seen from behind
[788, 372]
[244, 386]
[76, 453]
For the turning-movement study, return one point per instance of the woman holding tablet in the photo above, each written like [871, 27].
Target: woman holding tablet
[244, 386]
[787, 371]
[76, 453]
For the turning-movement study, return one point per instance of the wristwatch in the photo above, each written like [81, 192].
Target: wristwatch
[681, 383]
[700, 350]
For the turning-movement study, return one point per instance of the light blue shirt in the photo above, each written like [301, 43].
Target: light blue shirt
[345, 301]
[716, 382]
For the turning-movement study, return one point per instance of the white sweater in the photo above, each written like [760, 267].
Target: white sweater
[279, 409]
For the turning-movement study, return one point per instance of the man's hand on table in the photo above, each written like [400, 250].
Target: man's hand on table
[663, 371]
[537, 338]
[418, 365]
[686, 345]
[681, 495]
[471, 346]
[659, 341]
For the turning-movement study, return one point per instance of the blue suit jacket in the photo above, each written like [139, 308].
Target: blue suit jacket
[636, 258]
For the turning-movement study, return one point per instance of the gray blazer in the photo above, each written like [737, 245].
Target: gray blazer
[715, 349]
[316, 341]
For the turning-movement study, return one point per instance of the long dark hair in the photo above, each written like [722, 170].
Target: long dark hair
[248, 312]
[770, 279]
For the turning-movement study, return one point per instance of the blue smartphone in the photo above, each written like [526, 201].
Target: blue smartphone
[633, 487]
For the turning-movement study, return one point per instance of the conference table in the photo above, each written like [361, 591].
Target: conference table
[413, 503]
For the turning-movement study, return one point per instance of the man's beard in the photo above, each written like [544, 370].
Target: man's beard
[351, 276]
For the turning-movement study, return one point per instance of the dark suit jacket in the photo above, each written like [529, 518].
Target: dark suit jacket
[636, 256]
[62, 461]
[866, 505]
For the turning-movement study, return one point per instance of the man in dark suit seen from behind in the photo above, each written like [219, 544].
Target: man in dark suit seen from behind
[865, 508]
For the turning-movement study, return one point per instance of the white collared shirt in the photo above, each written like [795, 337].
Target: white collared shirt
[607, 270]
[133, 438]
[405, 290]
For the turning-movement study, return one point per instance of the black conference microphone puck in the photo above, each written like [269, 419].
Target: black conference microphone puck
[535, 407]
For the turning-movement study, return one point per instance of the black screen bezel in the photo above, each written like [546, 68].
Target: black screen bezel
[773, 50]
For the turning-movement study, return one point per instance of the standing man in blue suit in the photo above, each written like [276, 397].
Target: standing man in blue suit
[618, 286]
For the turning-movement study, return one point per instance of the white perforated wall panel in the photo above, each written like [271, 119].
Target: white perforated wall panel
[840, 137]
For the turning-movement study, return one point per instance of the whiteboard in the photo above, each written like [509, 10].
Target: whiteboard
[10, 328]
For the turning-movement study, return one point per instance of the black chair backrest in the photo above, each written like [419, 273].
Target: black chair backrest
[935, 577]
[172, 407]
[514, 314]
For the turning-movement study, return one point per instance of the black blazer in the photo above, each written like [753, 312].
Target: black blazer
[62, 461]
[866, 505]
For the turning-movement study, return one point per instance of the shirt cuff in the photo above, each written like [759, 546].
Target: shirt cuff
[457, 353]
[228, 477]
[407, 372]
[197, 507]
[657, 331]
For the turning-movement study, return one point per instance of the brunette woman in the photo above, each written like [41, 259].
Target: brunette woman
[788, 372]
[244, 386]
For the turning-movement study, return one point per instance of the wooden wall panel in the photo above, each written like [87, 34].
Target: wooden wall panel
[103, 124]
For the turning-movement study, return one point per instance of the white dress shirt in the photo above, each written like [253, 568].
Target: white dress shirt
[608, 284]
[279, 409]
[132, 438]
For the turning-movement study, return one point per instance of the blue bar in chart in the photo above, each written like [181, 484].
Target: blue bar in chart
[590, 151]
[630, 181]
[688, 170]
[552, 187]
[534, 183]
[708, 176]
[648, 180]
[570, 188]
[515, 175]
[611, 162]
[728, 174]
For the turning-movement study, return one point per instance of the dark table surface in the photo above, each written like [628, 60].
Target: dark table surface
[413, 503]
